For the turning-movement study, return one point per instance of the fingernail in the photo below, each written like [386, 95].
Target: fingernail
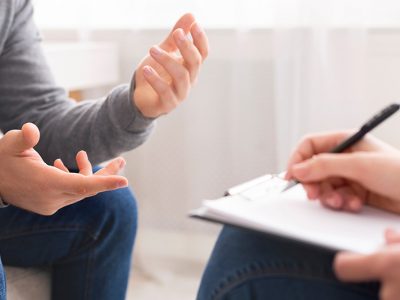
[155, 51]
[147, 70]
[333, 202]
[300, 170]
[121, 184]
[355, 205]
[122, 163]
[181, 35]
[82, 153]
[197, 29]
[391, 235]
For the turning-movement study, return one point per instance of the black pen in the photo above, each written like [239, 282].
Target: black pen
[367, 127]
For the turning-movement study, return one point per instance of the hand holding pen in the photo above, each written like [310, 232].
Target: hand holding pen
[368, 172]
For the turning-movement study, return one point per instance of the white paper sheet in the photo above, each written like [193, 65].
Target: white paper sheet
[292, 215]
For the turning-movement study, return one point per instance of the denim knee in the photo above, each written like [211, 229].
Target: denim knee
[114, 215]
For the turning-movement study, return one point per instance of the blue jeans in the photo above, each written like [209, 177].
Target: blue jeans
[250, 265]
[87, 246]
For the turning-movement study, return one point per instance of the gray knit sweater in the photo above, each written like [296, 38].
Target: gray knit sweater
[104, 128]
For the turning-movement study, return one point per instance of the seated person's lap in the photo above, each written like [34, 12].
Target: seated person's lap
[250, 265]
[87, 245]
[50, 238]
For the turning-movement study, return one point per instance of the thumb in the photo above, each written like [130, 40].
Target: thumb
[323, 166]
[17, 141]
[185, 23]
[354, 267]
[392, 236]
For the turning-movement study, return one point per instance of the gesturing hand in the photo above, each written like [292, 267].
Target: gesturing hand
[163, 79]
[26, 181]
[383, 265]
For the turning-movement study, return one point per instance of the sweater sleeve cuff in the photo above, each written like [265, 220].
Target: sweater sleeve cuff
[131, 117]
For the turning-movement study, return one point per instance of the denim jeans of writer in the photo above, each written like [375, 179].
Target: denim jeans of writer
[87, 246]
[248, 265]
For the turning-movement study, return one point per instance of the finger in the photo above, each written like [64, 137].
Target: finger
[357, 267]
[83, 186]
[18, 141]
[389, 291]
[164, 91]
[60, 165]
[190, 54]
[312, 190]
[315, 144]
[31, 135]
[180, 75]
[323, 166]
[351, 201]
[329, 197]
[113, 167]
[360, 191]
[185, 22]
[382, 202]
[392, 236]
[200, 40]
[77, 184]
[84, 165]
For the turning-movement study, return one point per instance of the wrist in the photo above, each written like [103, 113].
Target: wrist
[138, 114]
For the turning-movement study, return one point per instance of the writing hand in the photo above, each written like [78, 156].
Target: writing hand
[366, 173]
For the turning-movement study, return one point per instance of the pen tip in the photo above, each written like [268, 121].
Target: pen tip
[290, 184]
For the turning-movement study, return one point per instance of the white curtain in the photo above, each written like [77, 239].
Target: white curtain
[320, 82]
[217, 14]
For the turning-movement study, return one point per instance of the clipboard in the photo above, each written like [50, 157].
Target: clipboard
[258, 205]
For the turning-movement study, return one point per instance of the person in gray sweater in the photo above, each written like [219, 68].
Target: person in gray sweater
[87, 244]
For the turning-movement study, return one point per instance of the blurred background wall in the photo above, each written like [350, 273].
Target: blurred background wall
[230, 127]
